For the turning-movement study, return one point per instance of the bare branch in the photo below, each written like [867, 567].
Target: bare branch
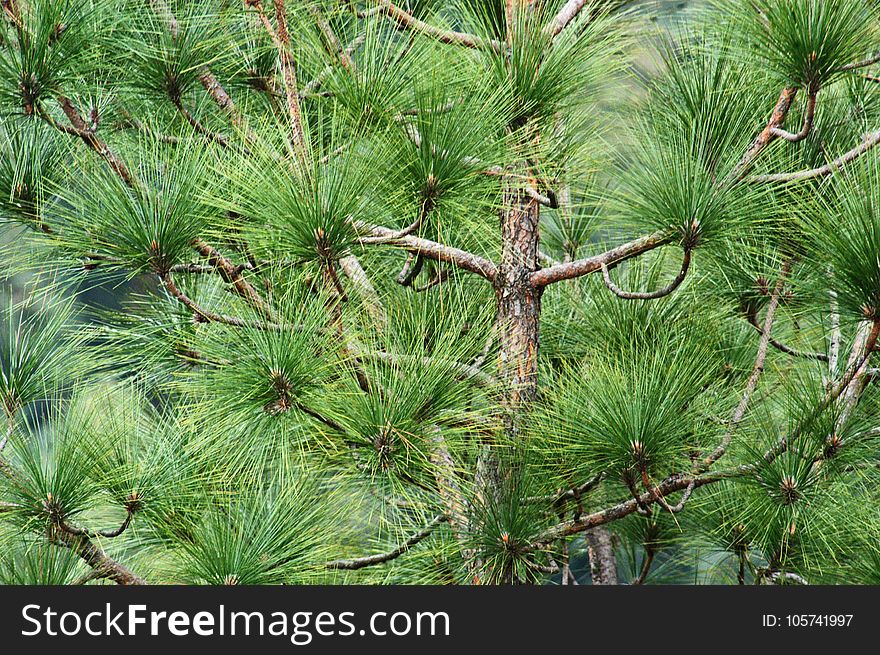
[281, 38]
[822, 357]
[646, 566]
[431, 249]
[199, 127]
[231, 274]
[758, 368]
[10, 428]
[568, 494]
[577, 268]
[869, 141]
[766, 137]
[649, 295]
[407, 20]
[206, 315]
[79, 128]
[373, 560]
[568, 13]
[358, 277]
[861, 64]
[104, 565]
[331, 42]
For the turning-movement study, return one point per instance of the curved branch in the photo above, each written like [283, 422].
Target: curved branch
[870, 140]
[807, 126]
[207, 315]
[231, 274]
[777, 118]
[373, 560]
[649, 295]
[822, 357]
[570, 270]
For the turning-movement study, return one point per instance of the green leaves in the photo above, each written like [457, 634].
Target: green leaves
[52, 487]
[30, 157]
[805, 43]
[37, 349]
[633, 414]
[540, 80]
[276, 535]
[171, 59]
[147, 227]
[51, 40]
[674, 188]
[843, 232]
[295, 216]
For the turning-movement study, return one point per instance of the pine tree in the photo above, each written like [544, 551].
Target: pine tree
[440, 291]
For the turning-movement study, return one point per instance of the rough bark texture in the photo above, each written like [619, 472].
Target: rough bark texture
[603, 563]
[103, 565]
[518, 304]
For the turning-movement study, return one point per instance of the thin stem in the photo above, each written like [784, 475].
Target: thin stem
[822, 357]
[430, 249]
[649, 295]
[807, 126]
[758, 368]
[373, 560]
[406, 20]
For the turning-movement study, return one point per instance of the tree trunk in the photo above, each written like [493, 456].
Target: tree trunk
[518, 305]
[603, 562]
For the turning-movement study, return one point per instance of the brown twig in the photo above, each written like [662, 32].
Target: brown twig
[373, 560]
[649, 295]
[758, 368]
[408, 21]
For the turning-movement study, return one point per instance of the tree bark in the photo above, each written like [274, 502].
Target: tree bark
[518, 303]
[603, 563]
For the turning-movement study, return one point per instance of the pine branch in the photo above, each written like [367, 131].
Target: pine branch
[432, 250]
[766, 137]
[206, 78]
[79, 128]
[103, 565]
[810, 114]
[319, 79]
[353, 270]
[281, 39]
[373, 560]
[649, 295]
[757, 370]
[864, 63]
[406, 20]
[567, 13]
[753, 321]
[231, 274]
[580, 267]
[208, 316]
[869, 141]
